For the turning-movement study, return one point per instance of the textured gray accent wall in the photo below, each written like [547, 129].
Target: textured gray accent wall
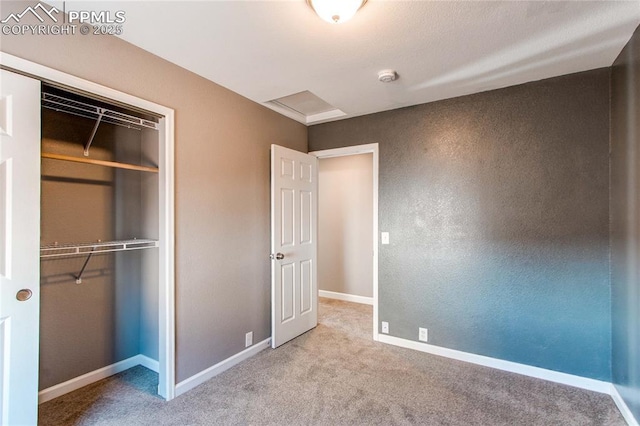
[625, 223]
[222, 186]
[497, 208]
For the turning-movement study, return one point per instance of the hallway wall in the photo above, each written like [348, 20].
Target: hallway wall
[345, 223]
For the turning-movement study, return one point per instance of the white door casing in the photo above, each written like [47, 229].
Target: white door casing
[20, 243]
[294, 226]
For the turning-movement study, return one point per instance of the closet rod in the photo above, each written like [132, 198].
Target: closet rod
[99, 162]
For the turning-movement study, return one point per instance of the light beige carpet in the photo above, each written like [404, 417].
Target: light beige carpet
[336, 375]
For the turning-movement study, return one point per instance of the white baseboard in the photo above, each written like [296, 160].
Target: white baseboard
[623, 407]
[346, 297]
[514, 367]
[203, 376]
[150, 363]
[86, 379]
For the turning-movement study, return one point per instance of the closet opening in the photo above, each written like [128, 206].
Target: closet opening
[100, 239]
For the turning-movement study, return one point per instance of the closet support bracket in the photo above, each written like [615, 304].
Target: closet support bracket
[93, 133]
[79, 276]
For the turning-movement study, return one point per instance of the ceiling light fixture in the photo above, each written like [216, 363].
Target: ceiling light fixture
[336, 11]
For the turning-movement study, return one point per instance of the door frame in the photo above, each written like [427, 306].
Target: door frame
[356, 150]
[166, 300]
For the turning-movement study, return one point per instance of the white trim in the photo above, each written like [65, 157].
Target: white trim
[294, 115]
[302, 118]
[201, 377]
[499, 364]
[166, 311]
[376, 233]
[166, 295]
[371, 148]
[346, 297]
[334, 113]
[86, 379]
[149, 363]
[623, 407]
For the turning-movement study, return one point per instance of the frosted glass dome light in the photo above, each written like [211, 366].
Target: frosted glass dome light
[336, 11]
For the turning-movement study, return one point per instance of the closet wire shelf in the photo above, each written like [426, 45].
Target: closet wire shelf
[89, 249]
[59, 103]
[67, 250]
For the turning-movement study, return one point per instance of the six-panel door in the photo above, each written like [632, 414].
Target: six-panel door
[294, 195]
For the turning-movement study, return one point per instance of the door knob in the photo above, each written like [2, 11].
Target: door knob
[24, 295]
[277, 256]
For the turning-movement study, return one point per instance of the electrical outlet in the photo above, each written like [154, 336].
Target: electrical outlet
[385, 327]
[248, 339]
[423, 334]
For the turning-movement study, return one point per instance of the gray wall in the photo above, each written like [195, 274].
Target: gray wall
[345, 223]
[625, 223]
[222, 186]
[497, 206]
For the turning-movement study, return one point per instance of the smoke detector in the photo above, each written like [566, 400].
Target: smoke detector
[387, 76]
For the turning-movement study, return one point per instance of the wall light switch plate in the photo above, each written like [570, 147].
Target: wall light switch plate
[385, 238]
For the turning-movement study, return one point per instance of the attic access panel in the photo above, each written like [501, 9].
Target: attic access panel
[306, 107]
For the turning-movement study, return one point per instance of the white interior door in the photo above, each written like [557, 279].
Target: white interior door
[19, 252]
[294, 246]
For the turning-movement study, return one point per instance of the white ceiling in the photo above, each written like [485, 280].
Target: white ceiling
[265, 50]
